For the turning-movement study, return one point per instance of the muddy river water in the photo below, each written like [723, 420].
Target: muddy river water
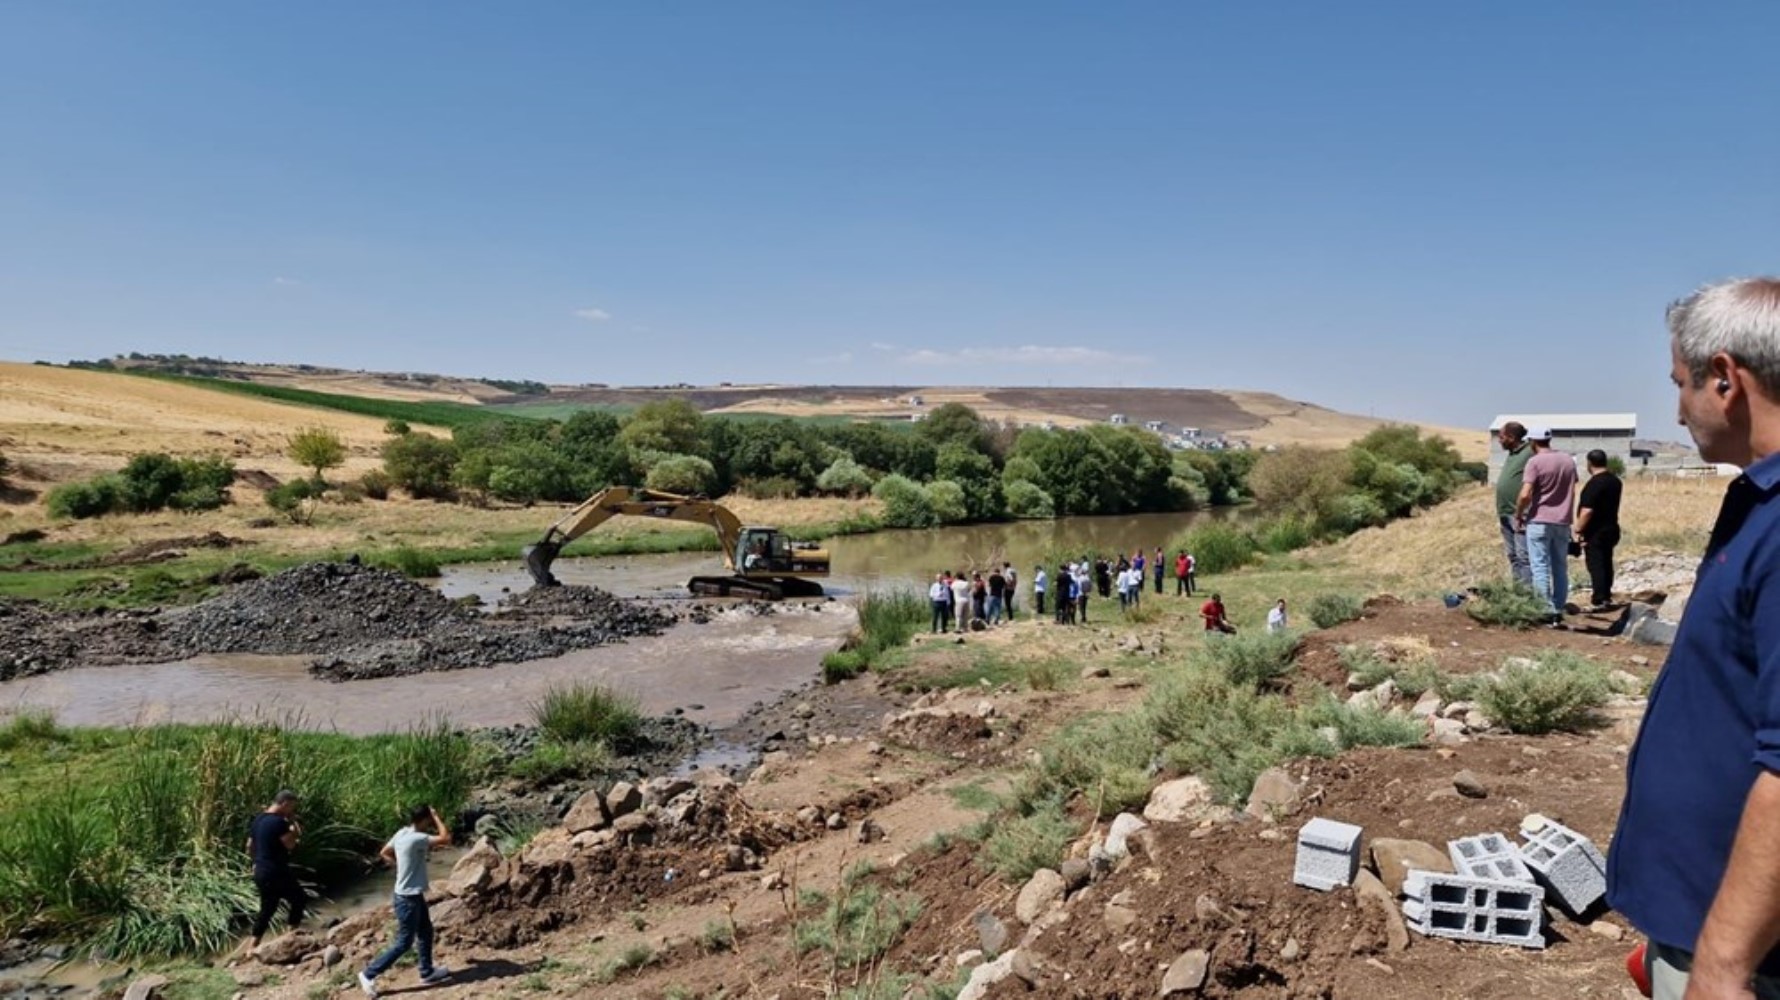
[715, 671]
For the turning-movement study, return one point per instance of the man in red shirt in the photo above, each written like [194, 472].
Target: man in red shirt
[1213, 613]
[1180, 575]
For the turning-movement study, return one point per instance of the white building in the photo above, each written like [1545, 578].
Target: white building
[1575, 433]
[1119, 418]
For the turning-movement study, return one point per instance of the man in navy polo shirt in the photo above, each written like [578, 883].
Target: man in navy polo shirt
[1695, 864]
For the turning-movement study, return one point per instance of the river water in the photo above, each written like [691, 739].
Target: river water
[714, 671]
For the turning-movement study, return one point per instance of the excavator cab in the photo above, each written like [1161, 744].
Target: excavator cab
[763, 550]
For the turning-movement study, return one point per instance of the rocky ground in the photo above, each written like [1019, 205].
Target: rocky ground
[699, 886]
[354, 621]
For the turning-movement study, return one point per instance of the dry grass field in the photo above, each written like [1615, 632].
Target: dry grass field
[61, 424]
[1457, 544]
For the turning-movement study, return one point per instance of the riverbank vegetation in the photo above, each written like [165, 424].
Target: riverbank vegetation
[131, 840]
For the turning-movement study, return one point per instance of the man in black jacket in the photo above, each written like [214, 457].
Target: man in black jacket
[1597, 525]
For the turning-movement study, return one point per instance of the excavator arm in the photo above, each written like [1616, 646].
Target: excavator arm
[613, 501]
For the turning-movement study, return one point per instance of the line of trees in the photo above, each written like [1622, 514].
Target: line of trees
[953, 466]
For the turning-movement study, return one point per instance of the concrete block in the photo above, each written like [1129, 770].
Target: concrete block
[1490, 911]
[1328, 854]
[1566, 863]
[1488, 856]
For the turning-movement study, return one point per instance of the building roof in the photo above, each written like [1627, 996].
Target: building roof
[1560, 422]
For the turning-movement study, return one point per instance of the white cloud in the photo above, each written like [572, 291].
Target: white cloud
[878, 345]
[286, 282]
[1028, 355]
[592, 315]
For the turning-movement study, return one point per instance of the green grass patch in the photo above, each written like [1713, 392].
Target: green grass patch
[1023, 844]
[1330, 610]
[437, 414]
[1507, 604]
[857, 925]
[585, 712]
[1558, 690]
[1216, 546]
[1253, 659]
[888, 619]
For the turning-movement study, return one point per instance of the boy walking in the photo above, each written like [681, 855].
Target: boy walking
[408, 850]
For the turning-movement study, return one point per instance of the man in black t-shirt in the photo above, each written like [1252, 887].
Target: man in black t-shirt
[1597, 526]
[271, 837]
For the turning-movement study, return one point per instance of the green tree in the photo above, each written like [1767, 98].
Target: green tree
[687, 474]
[421, 464]
[1026, 500]
[906, 504]
[318, 448]
[666, 425]
[974, 472]
[396, 427]
[955, 423]
[946, 499]
[844, 476]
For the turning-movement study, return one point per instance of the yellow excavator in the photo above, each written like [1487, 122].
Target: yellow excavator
[763, 563]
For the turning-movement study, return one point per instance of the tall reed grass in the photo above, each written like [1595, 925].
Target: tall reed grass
[138, 851]
[888, 619]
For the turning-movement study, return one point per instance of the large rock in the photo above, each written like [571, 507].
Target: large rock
[288, 949]
[1470, 785]
[624, 799]
[1124, 827]
[1375, 896]
[588, 813]
[1187, 973]
[476, 871]
[1275, 794]
[1393, 860]
[985, 976]
[147, 988]
[992, 934]
[1043, 890]
[1178, 801]
[1447, 732]
[636, 828]
[1427, 706]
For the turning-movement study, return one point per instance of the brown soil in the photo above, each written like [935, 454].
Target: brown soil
[1223, 887]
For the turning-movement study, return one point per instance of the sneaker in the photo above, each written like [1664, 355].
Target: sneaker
[365, 983]
[438, 975]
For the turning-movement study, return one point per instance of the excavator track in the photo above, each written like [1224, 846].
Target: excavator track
[754, 589]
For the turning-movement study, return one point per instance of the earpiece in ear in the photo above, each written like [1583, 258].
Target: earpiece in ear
[1724, 386]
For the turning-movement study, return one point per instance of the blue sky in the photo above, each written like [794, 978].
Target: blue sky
[1420, 210]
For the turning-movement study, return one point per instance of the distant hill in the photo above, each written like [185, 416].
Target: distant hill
[1259, 418]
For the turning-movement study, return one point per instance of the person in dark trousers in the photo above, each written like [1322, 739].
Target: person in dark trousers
[1215, 618]
[1180, 574]
[1516, 452]
[1103, 572]
[1160, 570]
[271, 838]
[1038, 589]
[939, 594]
[1695, 864]
[997, 596]
[1597, 525]
[408, 850]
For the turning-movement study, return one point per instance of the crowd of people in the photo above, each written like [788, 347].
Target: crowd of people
[1545, 520]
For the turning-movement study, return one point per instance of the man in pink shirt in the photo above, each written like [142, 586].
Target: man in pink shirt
[1545, 509]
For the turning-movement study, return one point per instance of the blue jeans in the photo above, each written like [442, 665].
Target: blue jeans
[1514, 546]
[994, 614]
[413, 923]
[1548, 551]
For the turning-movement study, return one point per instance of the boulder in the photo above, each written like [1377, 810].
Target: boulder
[147, 988]
[1120, 915]
[869, 832]
[1427, 706]
[331, 956]
[636, 828]
[1178, 801]
[1447, 732]
[992, 934]
[1470, 785]
[1076, 872]
[1372, 894]
[661, 791]
[985, 976]
[1119, 834]
[1457, 709]
[1042, 891]
[1393, 859]
[1186, 974]
[588, 813]
[1478, 722]
[475, 871]
[288, 949]
[1275, 794]
[624, 799]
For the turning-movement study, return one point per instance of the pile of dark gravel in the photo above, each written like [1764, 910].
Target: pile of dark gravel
[355, 621]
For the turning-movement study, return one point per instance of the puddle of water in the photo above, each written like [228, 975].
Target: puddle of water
[379, 883]
[72, 980]
[723, 666]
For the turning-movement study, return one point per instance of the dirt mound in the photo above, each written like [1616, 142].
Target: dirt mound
[569, 601]
[357, 622]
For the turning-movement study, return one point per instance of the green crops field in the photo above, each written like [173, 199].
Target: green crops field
[437, 414]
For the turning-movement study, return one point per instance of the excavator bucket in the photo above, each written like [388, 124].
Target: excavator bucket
[537, 562]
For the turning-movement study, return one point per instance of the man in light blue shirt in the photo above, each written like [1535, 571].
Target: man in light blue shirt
[408, 850]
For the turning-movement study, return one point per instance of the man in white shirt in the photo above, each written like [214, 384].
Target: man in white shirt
[961, 609]
[940, 595]
[1276, 618]
[1038, 589]
[407, 850]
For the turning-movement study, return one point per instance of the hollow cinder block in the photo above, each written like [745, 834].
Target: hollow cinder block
[1489, 911]
[1567, 864]
[1488, 856]
[1328, 854]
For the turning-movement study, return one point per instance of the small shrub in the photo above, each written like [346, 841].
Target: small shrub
[1284, 534]
[293, 500]
[1227, 734]
[93, 498]
[888, 618]
[30, 726]
[846, 477]
[1024, 844]
[905, 502]
[376, 484]
[770, 488]
[409, 562]
[1047, 675]
[1330, 610]
[396, 427]
[318, 448]
[1216, 547]
[556, 760]
[842, 665]
[946, 499]
[687, 474]
[1147, 613]
[1363, 726]
[637, 956]
[858, 925]
[581, 711]
[1104, 759]
[1558, 691]
[1508, 603]
[1027, 500]
[1252, 660]
[718, 935]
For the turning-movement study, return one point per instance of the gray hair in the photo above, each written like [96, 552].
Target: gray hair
[1740, 318]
